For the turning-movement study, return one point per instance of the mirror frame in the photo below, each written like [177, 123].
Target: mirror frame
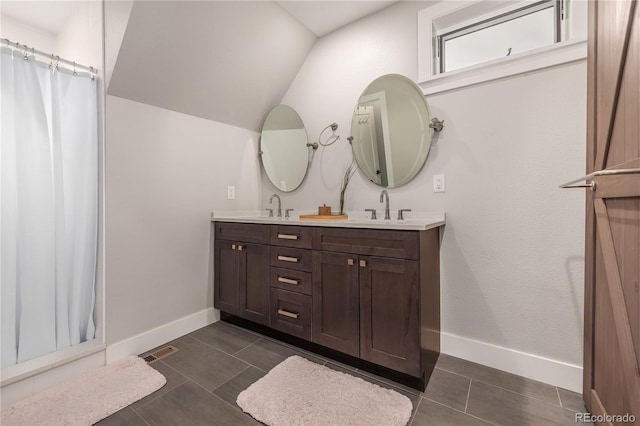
[423, 115]
[263, 147]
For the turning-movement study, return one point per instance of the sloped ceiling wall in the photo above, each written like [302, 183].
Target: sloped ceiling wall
[225, 61]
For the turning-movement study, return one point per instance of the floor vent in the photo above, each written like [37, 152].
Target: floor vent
[160, 353]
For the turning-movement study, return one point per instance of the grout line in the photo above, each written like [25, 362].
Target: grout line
[415, 412]
[226, 353]
[235, 407]
[454, 409]
[221, 350]
[167, 389]
[140, 416]
[466, 404]
[525, 396]
[389, 382]
[559, 399]
[236, 327]
[231, 378]
[508, 389]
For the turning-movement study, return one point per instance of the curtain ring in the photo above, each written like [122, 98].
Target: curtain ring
[74, 68]
[93, 75]
[26, 52]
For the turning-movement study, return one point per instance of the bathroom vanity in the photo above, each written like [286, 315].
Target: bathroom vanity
[364, 291]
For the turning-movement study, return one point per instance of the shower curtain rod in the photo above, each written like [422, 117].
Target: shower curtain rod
[53, 58]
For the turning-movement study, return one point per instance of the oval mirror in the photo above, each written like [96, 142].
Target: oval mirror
[283, 145]
[390, 130]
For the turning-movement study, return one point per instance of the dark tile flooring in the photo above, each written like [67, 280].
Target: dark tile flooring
[217, 362]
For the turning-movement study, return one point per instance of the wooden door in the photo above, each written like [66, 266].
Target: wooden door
[335, 319]
[389, 313]
[612, 276]
[225, 286]
[253, 283]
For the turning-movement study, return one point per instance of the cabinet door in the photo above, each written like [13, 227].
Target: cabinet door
[226, 264]
[253, 283]
[335, 319]
[389, 318]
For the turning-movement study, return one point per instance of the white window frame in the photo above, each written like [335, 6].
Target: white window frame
[448, 16]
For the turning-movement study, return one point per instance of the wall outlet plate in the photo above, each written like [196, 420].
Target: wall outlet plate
[231, 192]
[438, 183]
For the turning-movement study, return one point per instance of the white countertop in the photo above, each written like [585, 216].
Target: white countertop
[419, 221]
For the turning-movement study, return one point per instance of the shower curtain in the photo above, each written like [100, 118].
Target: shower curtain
[49, 207]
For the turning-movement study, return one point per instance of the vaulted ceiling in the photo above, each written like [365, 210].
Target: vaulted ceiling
[227, 61]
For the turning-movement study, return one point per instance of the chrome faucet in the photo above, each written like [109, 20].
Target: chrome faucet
[279, 203]
[384, 194]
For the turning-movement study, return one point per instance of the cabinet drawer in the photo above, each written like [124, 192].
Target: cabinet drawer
[291, 313]
[291, 236]
[291, 280]
[245, 232]
[291, 258]
[373, 242]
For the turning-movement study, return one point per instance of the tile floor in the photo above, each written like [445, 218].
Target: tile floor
[217, 362]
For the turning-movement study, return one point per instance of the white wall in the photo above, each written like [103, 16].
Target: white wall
[512, 251]
[81, 38]
[22, 33]
[166, 172]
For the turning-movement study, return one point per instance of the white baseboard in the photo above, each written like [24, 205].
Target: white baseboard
[150, 339]
[556, 373]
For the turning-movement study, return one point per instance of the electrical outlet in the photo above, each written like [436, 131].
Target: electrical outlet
[231, 192]
[438, 183]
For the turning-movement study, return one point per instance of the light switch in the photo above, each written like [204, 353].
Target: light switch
[231, 192]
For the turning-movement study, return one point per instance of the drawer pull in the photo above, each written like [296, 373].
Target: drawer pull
[287, 237]
[350, 262]
[288, 314]
[288, 280]
[288, 259]
[233, 246]
[240, 248]
[363, 263]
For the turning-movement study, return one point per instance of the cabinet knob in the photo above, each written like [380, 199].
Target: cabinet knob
[363, 263]
[349, 262]
[240, 248]
[233, 246]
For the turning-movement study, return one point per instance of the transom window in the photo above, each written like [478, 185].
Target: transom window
[465, 42]
[515, 31]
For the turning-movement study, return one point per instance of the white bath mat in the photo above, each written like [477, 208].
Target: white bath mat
[300, 392]
[88, 398]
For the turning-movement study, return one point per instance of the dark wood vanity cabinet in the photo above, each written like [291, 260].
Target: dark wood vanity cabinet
[370, 293]
[242, 273]
[369, 306]
[390, 313]
[336, 300]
